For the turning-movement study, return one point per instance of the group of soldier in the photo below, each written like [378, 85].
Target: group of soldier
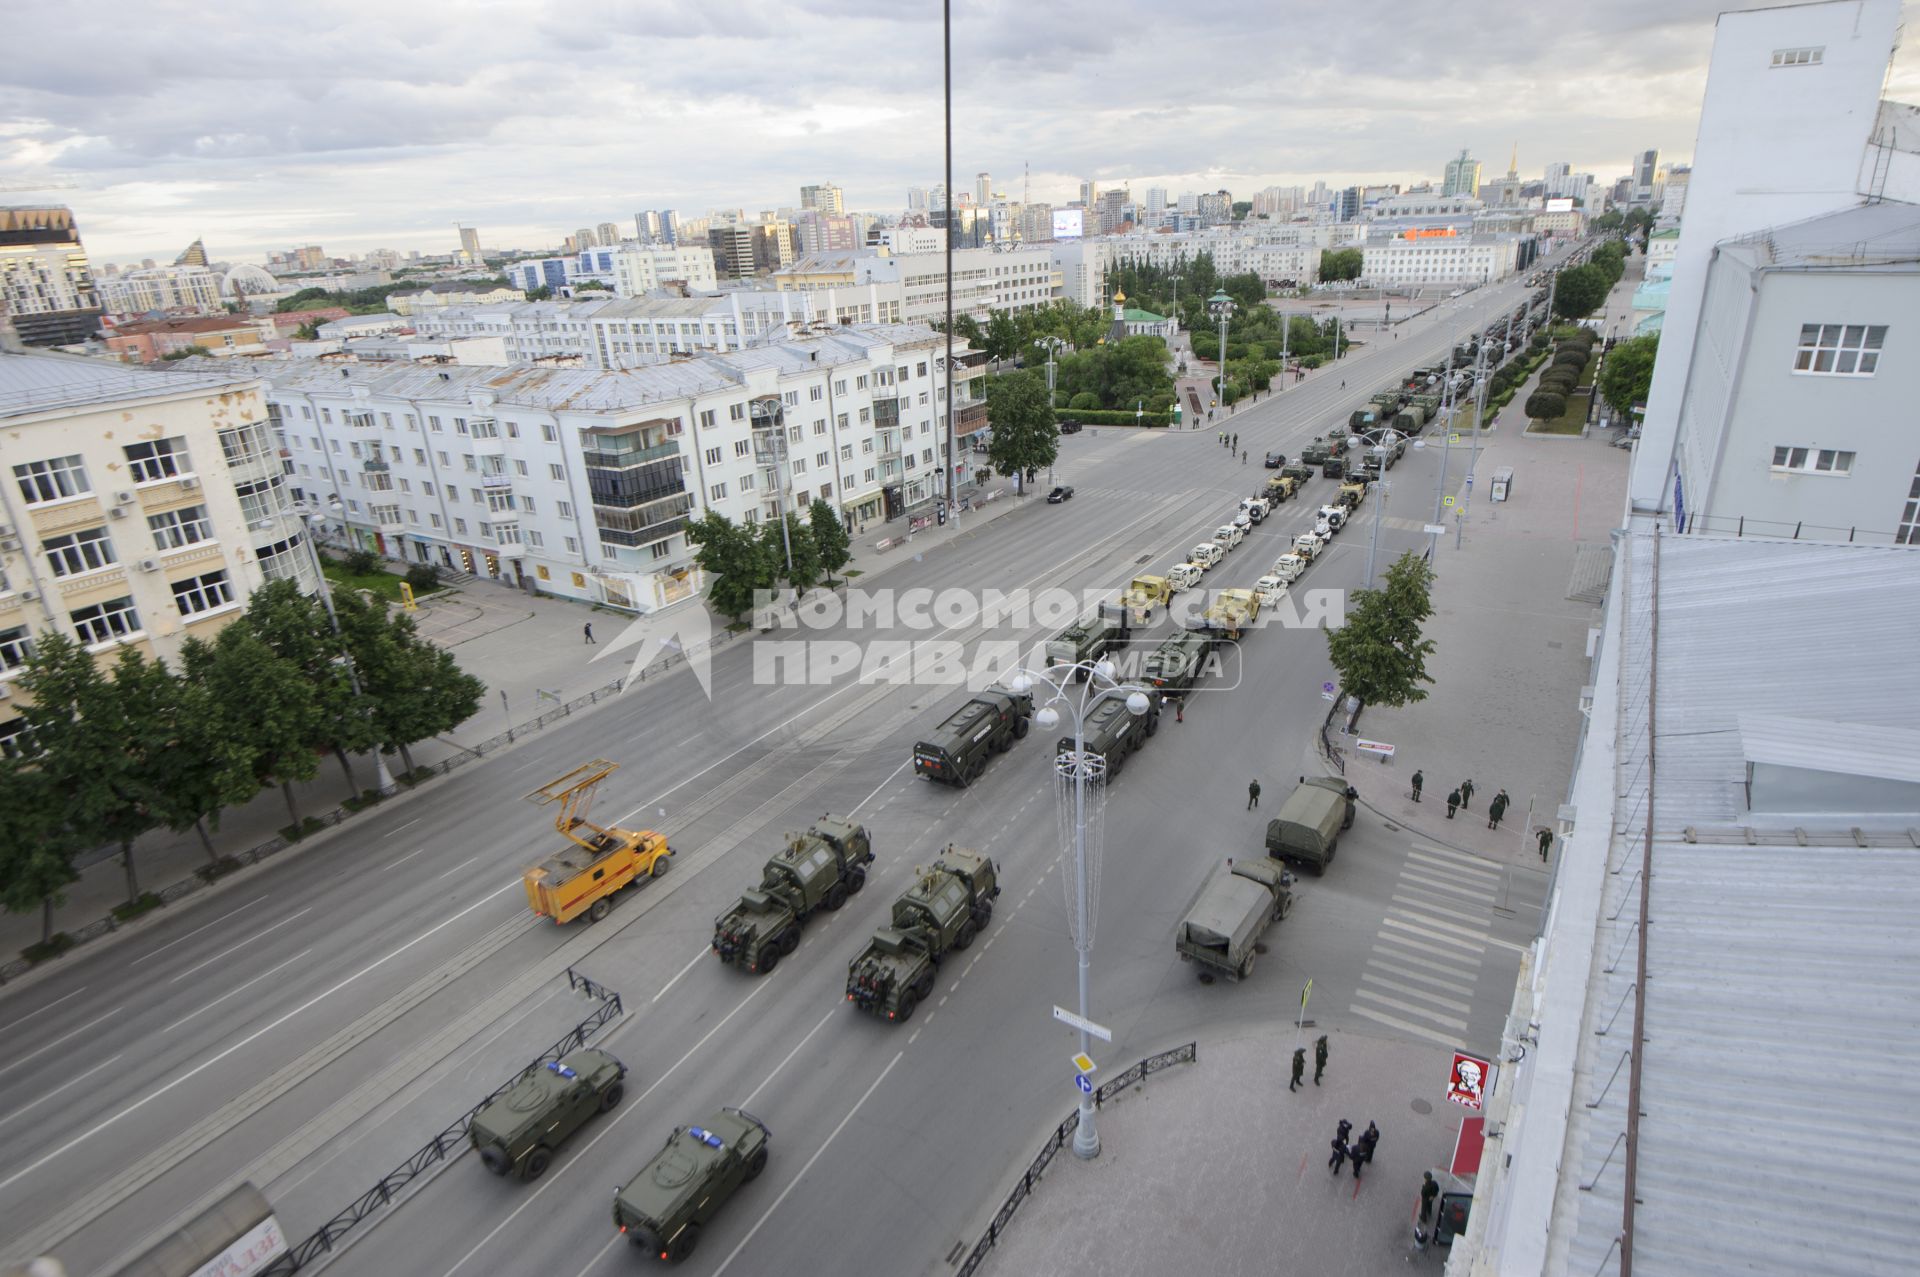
[1360, 1152]
[1460, 797]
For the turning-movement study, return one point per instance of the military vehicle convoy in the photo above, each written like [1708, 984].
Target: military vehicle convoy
[1224, 924]
[1231, 614]
[949, 903]
[1177, 663]
[816, 870]
[1115, 733]
[1307, 830]
[1088, 640]
[517, 1133]
[694, 1174]
[958, 750]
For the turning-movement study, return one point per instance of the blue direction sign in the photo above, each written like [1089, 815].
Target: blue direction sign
[1084, 1082]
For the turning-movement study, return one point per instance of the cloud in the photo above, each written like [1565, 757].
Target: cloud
[357, 123]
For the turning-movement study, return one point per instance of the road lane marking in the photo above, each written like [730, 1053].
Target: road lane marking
[683, 970]
[151, 1096]
[416, 820]
[1474, 935]
[197, 930]
[1439, 936]
[1410, 1008]
[12, 1024]
[602, 1254]
[1424, 974]
[404, 859]
[795, 1181]
[48, 1047]
[1368, 977]
[877, 788]
[553, 1176]
[243, 944]
[783, 1064]
[223, 997]
[462, 865]
[55, 1091]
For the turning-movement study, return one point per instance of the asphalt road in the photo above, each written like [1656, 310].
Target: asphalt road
[138, 1076]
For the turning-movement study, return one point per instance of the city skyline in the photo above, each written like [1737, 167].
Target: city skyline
[286, 131]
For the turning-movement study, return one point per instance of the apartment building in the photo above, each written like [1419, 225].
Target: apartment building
[46, 283]
[1414, 259]
[138, 507]
[580, 482]
[147, 341]
[192, 290]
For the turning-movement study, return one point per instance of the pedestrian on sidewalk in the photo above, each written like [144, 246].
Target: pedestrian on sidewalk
[1429, 1190]
[1418, 780]
[1299, 1067]
[1496, 809]
[1319, 1058]
[1466, 793]
[1253, 794]
[589, 632]
[1546, 841]
[1453, 803]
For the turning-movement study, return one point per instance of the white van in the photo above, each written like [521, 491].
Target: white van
[1185, 576]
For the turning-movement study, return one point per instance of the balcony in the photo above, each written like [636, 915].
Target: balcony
[969, 418]
[496, 481]
[891, 444]
[886, 413]
[642, 524]
[361, 420]
[488, 445]
[621, 459]
[508, 537]
[373, 465]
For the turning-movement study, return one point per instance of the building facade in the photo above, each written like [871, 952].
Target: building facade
[190, 290]
[1442, 258]
[46, 283]
[1462, 177]
[150, 341]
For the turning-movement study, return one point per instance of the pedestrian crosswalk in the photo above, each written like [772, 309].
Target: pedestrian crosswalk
[1420, 976]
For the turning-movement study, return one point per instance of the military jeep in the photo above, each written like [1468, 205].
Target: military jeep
[518, 1132]
[664, 1207]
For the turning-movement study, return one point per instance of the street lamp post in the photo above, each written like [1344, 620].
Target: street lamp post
[383, 778]
[1049, 344]
[1079, 769]
[762, 409]
[1220, 306]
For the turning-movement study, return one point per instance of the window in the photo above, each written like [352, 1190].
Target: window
[843, 421]
[104, 622]
[1909, 533]
[520, 468]
[823, 459]
[746, 483]
[513, 430]
[13, 738]
[443, 458]
[176, 528]
[737, 412]
[715, 455]
[536, 540]
[556, 472]
[661, 549]
[16, 645]
[706, 418]
[53, 480]
[386, 419]
[1840, 350]
[1812, 461]
[434, 519]
[1799, 57]
[525, 503]
[460, 526]
[813, 393]
[791, 399]
[472, 466]
[78, 552]
[860, 382]
[419, 456]
[426, 489]
[549, 434]
[717, 492]
[741, 448]
[920, 369]
[840, 387]
[820, 426]
[202, 593]
[153, 459]
[573, 547]
[404, 485]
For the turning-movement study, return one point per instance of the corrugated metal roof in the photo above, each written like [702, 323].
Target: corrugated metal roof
[35, 382]
[1822, 745]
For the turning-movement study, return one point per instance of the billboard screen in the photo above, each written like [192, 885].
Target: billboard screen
[1069, 223]
[1560, 205]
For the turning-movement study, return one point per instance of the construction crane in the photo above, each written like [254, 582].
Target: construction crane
[603, 860]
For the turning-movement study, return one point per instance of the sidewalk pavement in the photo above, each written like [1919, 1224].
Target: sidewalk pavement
[529, 650]
[1216, 1159]
[1511, 614]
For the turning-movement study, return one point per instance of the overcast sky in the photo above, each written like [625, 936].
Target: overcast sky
[357, 125]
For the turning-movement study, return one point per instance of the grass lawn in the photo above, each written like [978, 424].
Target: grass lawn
[384, 585]
[1570, 422]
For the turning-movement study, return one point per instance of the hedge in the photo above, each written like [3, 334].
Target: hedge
[1544, 405]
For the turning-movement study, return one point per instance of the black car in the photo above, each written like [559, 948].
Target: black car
[1069, 427]
[1059, 494]
[1275, 460]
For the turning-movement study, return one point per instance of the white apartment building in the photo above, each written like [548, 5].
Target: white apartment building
[1440, 259]
[580, 482]
[905, 241]
[177, 289]
[611, 332]
[638, 269]
[137, 507]
[528, 330]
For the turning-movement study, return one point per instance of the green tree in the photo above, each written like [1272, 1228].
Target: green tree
[96, 738]
[1241, 208]
[1340, 263]
[1379, 652]
[1002, 337]
[185, 352]
[205, 770]
[263, 703]
[830, 539]
[797, 543]
[1579, 290]
[1544, 405]
[735, 561]
[1610, 220]
[1627, 374]
[1024, 435]
[414, 689]
[37, 842]
[307, 332]
[540, 294]
[590, 285]
[297, 629]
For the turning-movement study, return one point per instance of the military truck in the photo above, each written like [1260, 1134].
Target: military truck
[1231, 614]
[518, 1131]
[1279, 488]
[1115, 733]
[1307, 830]
[1300, 474]
[816, 870]
[1353, 493]
[1364, 418]
[949, 903]
[1314, 454]
[1089, 640]
[1388, 402]
[1177, 663]
[1334, 468]
[1411, 420]
[695, 1173]
[958, 750]
[1222, 927]
[1290, 566]
[1142, 595]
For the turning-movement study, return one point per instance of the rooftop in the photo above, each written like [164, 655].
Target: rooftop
[37, 382]
[185, 324]
[1878, 237]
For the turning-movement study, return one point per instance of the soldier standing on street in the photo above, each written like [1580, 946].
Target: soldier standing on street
[1253, 794]
[1466, 793]
[1453, 803]
[1419, 779]
[1429, 1190]
[1496, 809]
[1299, 1066]
[1235, 445]
[1546, 841]
[1319, 1058]
[1339, 1154]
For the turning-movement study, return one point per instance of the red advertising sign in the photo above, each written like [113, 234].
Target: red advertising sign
[1467, 1081]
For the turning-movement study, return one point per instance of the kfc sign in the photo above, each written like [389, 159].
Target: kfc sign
[1468, 1081]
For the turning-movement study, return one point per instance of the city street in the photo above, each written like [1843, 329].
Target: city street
[311, 1026]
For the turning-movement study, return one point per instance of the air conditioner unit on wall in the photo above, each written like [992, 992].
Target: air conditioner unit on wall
[149, 565]
[29, 595]
[118, 512]
[189, 481]
[123, 497]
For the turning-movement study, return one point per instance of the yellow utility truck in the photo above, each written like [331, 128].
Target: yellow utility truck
[603, 859]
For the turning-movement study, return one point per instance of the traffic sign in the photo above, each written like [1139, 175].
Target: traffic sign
[1067, 1017]
[1084, 1082]
[1084, 1062]
[1326, 696]
[1326, 687]
[1447, 501]
[1435, 529]
[1454, 437]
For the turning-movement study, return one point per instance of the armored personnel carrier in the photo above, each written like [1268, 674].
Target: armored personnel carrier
[694, 1174]
[518, 1133]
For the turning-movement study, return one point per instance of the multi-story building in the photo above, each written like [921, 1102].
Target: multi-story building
[585, 238]
[1089, 194]
[1035, 225]
[1646, 172]
[825, 233]
[190, 290]
[1216, 208]
[469, 246]
[149, 341]
[137, 508]
[917, 199]
[1559, 173]
[774, 245]
[451, 293]
[1115, 210]
[1440, 257]
[902, 241]
[646, 226]
[1673, 196]
[46, 283]
[732, 248]
[580, 483]
[607, 234]
[1157, 206]
[824, 197]
[1462, 177]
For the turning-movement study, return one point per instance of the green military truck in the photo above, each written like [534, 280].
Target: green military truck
[1307, 830]
[517, 1133]
[1177, 663]
[1364, 419]
[664, 1207]
[1115, 733]
[1222, 929]
[1334, 467]
[1301, 473]
[958, 750]
[1314, 454]
[949, 903]
[816, 870]
[1089, 640]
